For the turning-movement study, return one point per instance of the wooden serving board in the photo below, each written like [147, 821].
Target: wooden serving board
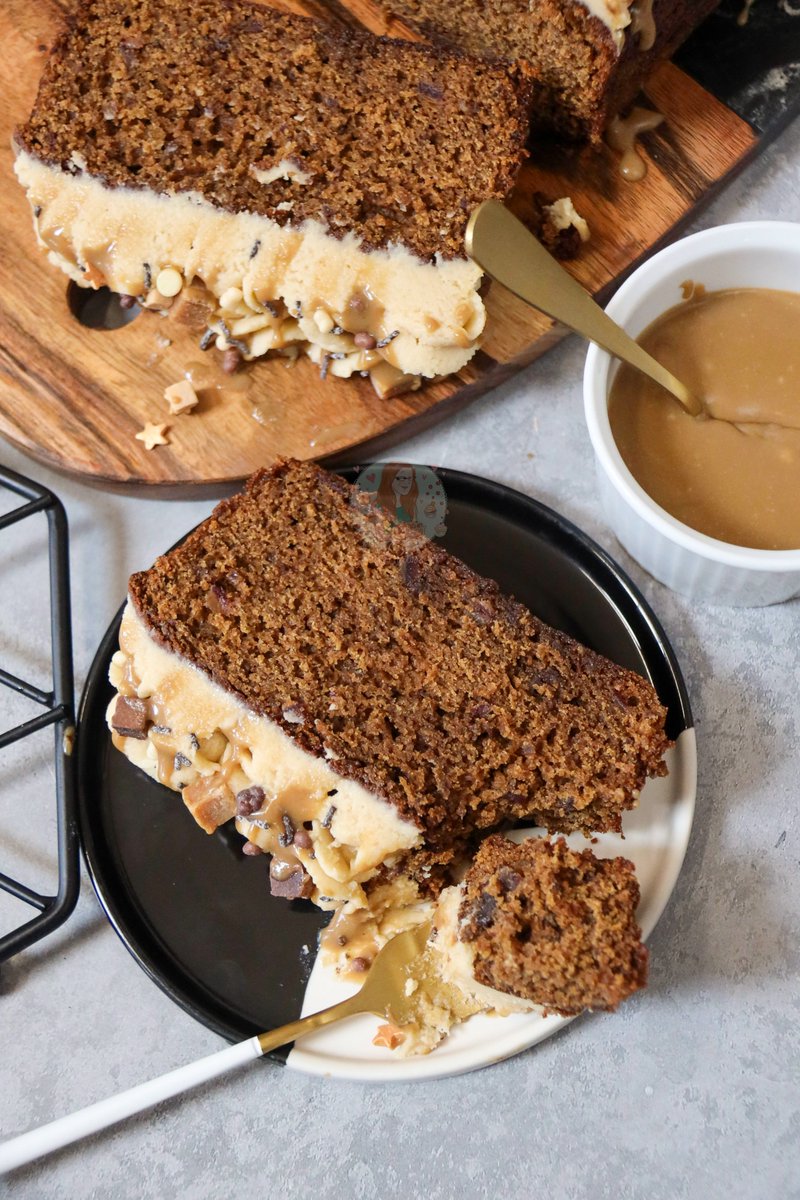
[75, 397]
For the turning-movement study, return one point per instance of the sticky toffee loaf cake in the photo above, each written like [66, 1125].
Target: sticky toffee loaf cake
[588, 57]
[359, 700]
[532, 925]
[281, 184]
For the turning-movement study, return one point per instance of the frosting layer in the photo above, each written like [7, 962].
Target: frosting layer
[229, 762]
[272, 286]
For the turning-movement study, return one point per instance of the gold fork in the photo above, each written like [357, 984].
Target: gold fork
[382, 993]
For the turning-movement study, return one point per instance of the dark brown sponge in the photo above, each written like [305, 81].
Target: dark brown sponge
[580, 77]
[413, 674]
[400, 142]
[553, 925]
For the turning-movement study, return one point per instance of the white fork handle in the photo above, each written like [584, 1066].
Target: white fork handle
[37, 1142]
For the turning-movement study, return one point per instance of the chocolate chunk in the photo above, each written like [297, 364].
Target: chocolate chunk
[411, 574]
[546, 677]
[251, 850]
[483, 911]
[287, 837]
[129, 49]
[180, 761]
[303, 839]
[127, 301]
[218, 599]
[130, 718]
[231, 359]
[296, 886]
[249, 800]
[431, 90]
[482, 613]
[359, 964]
[508, 879]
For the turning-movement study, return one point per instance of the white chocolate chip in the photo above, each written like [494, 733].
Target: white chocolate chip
[261, 342]
[253, 324]
[231, 298]
[169, 282]
[181, 397]
[323, 320]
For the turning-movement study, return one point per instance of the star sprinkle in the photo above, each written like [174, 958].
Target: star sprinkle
[389, 1036]
[152, 436]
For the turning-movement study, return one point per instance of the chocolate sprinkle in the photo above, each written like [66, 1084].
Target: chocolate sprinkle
[329, 815]
[255, 248]
[207, 338]
[287, 837]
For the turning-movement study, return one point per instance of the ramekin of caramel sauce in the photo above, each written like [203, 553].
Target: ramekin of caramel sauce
[708, 505]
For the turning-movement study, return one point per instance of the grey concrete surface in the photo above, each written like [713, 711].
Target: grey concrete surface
[691, 1090]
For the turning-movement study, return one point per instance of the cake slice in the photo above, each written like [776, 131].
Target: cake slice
[358, 699]
[588, 57]
[533, 925]
[281, 184]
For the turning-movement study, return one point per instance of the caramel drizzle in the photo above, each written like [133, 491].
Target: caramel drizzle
[621, 136]
[643, 23]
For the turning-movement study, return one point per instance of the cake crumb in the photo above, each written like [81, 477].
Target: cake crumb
[181, 397]
[153, 435]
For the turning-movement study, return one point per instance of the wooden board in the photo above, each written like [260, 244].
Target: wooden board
[74, 397]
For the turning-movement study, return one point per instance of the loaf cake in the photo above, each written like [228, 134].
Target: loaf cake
[360, 701]
[588, 57]
[280, 184]
[533, 925]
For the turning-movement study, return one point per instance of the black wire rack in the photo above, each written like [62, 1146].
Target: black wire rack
[58, 711]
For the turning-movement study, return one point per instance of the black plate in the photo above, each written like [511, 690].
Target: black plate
[194, 911]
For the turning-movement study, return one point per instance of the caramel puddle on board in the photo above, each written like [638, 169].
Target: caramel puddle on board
[621, 136]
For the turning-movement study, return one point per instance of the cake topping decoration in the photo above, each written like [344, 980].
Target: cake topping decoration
[153, 435]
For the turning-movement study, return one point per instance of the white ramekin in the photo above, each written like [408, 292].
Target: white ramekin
[751, 254]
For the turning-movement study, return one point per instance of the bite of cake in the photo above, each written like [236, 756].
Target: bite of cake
[282, 185]
[533, 925]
